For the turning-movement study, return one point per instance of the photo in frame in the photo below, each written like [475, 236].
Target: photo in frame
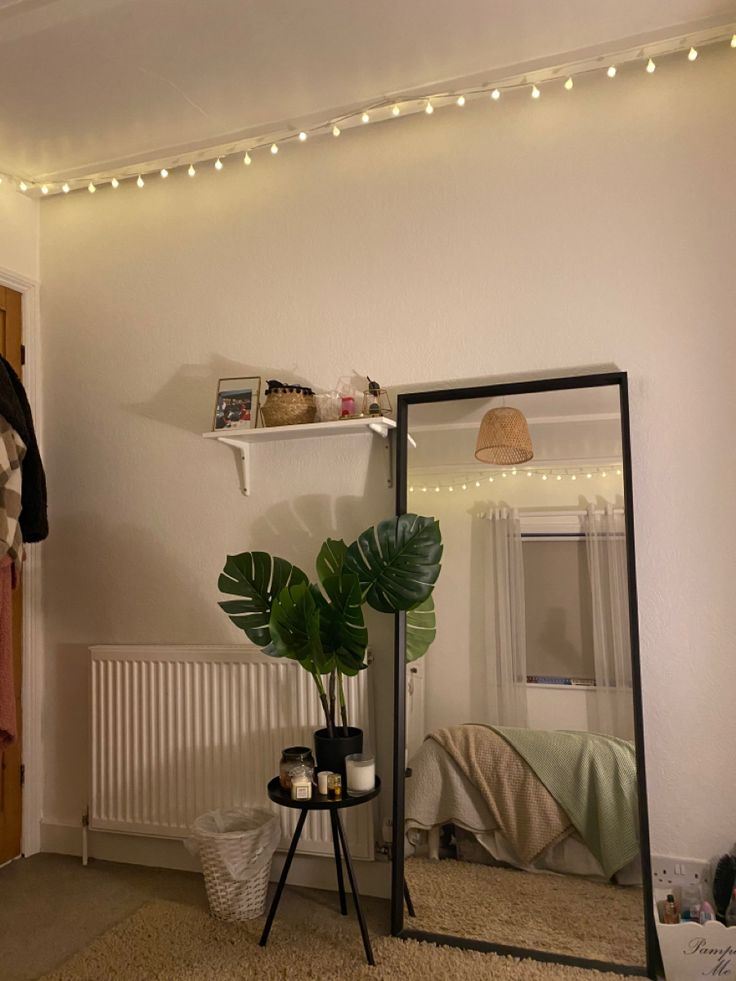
[237, 401]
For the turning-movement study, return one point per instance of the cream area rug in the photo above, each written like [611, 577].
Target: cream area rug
[166, 941]
[566, 914]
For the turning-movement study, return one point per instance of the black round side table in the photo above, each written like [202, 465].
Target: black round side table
[318, 802]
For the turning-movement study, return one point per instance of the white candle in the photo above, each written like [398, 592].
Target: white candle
[322, 781]
[360, 769]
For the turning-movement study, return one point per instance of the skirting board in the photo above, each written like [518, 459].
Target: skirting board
[309, 871]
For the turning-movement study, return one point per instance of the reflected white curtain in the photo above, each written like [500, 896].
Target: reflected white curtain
[605, 536]
[505, 620]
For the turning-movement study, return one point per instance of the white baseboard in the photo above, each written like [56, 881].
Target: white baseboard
[311, 871]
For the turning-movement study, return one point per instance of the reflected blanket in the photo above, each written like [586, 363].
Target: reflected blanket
[593, 778]
[522, 807]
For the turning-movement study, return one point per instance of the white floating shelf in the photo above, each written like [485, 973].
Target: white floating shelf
[242, 439]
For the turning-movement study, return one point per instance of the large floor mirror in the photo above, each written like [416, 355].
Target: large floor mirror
[520, 809]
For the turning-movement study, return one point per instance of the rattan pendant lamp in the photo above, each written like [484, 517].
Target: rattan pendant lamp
[503, 437]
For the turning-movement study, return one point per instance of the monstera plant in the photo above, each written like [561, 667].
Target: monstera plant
[392, 567]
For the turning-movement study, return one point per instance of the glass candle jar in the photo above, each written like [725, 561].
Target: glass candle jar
[301, 782]
[360, 769]
[291, 756]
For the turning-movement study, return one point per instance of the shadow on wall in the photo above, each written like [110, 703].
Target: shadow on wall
[187, 400]
[135, 591]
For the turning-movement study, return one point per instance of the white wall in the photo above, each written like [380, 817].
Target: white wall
[588, 229]
[19, 240]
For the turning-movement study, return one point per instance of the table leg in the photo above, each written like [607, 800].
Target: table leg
[282, 879]
[354, 887]
[407, 900]
[338, 863]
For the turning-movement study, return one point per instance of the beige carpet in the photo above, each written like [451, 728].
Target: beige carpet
[167, 941]
[562, 913]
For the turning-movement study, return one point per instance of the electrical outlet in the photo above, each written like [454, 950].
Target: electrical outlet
[668, 871]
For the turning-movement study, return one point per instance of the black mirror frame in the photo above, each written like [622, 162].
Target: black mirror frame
[404, 401]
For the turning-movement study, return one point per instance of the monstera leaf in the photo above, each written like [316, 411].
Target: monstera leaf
[294, 628]
[397, 562]
[331, 558]
[342, 628]
[257, 577]
[420, 629]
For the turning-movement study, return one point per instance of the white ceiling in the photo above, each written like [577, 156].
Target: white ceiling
[92, 84]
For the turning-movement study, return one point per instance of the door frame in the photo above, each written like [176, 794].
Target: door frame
[32, 685]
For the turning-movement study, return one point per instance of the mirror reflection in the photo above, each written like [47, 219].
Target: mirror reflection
[521, 813]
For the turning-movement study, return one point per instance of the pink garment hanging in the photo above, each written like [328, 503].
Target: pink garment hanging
[8, 721]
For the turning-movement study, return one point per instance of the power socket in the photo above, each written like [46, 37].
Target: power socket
[668, 871]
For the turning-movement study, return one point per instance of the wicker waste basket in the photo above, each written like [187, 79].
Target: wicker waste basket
[235, 848]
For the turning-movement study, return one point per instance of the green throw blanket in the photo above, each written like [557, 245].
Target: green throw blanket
[593, 779]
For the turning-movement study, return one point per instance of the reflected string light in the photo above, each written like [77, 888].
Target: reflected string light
[692, 54]
[651, 66]
[495, 95]
[569, 84]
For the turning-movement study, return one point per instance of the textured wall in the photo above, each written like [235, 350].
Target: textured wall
[18, 233]
[592, 228]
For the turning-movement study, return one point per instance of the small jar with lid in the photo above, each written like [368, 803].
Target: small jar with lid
[301, 782]
[290, 757]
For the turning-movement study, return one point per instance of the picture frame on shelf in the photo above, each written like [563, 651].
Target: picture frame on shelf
[236, 404]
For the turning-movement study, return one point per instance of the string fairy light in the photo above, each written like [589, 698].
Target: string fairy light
[692, 46]
[543, 473]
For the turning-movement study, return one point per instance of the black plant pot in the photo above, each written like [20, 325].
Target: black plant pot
[330, 751]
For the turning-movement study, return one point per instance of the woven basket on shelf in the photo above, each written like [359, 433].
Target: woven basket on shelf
[284, 408]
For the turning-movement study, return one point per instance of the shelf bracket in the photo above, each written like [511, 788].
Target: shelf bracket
[243, 462]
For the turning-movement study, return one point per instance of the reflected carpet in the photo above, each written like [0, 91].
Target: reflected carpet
[566, 914]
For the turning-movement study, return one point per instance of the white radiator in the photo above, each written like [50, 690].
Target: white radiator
[176, 731]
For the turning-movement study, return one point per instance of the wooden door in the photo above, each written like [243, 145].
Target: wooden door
[10, 760]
